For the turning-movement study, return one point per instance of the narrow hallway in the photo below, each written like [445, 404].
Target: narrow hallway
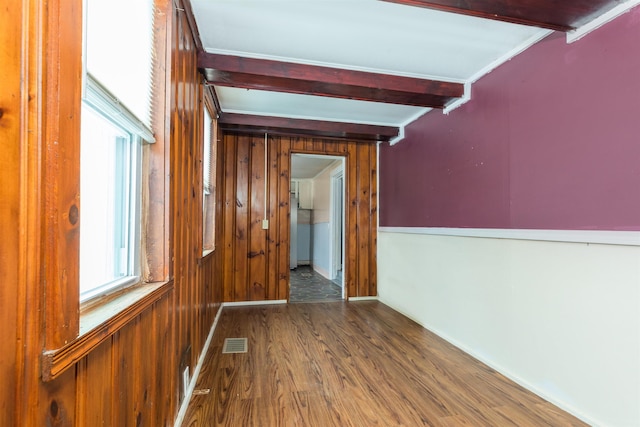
[310, 286]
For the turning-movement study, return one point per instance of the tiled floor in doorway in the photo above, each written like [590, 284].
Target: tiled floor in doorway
[309, 286]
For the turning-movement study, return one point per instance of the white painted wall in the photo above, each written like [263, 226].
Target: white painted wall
[562, 319]
[321, 214]
[322, 193]
[321, 248]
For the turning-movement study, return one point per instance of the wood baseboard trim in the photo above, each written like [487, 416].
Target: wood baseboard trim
[196, 372]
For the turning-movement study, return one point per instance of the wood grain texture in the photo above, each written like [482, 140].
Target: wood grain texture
[256, 261]
[247, 123]
[264, 74]
[61, 156]
[10, 143]
[130, 376]
[352, 364]
[559, 16]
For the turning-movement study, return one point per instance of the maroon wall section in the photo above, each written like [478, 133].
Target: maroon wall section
[550, 140]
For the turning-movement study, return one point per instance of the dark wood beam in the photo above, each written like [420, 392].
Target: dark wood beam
[268, 75]
[287, 126]
[556, 15]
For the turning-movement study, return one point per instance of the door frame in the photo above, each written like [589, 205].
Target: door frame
[336, 222]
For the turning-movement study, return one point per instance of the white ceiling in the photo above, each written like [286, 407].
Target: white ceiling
[306, 166]
[364, 35]
[279, 104]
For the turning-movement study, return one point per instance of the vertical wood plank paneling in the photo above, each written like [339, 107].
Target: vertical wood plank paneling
[166, 372]
[364, 217]
[95, 387]
[177, 166]
[373, 209]
[125, 381]
[56, 404]
[351, 221]
[243, 211]
[229, 217]
[308, 145]
[10, 135]
[43, 117]
[318, 146]
[192, 236]
[271, 257]
[299, 145]
[130, 379]
[284, 217]
[268, 253]
[62, 160]
[257, 236]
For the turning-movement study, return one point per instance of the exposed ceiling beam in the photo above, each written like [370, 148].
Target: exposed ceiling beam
[317, 128]
[556, 15]
[268, 75]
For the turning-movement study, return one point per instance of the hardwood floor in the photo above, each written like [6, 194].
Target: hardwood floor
[352, 364]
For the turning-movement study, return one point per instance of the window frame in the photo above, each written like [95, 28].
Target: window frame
[74, 330]
[104, 105]
[98, 97]
[209, 194]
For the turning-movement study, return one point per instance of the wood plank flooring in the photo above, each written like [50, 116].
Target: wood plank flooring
[352, 364]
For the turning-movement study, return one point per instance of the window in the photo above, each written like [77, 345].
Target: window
[110, 209]
[115, 120]
[208, 177]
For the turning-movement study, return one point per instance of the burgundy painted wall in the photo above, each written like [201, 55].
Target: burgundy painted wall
[550, 140]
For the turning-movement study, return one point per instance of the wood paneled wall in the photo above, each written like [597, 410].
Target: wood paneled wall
[10, 132]
[255, 261]
[132, 377]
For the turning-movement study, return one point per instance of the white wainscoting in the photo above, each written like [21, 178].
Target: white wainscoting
[560, 318]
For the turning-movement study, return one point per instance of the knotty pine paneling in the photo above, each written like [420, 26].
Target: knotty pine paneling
[10, 40]
[131, 378]
[255, 263]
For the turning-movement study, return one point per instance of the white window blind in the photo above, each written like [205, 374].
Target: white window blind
[119, 47]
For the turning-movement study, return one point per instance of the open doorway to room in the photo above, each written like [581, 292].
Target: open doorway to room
[317, 228]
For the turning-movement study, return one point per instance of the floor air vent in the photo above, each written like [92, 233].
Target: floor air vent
[235, 345]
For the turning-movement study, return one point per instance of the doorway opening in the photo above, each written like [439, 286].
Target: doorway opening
[317, 228]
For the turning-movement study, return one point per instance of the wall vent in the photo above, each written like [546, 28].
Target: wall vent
[234, 345]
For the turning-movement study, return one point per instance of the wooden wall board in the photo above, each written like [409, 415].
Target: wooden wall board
[132, 377]
[260, 257]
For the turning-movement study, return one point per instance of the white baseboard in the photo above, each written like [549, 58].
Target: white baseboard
[196, 373]
[354, 299]
[321, 271]
[247, 303]
[560, 404]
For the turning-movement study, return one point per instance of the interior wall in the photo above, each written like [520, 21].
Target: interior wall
[255, 262]
[322, 193]
[562, 319]
[196, 280]
[321, 220]
[129, 375]
[10, 125]
[546, 142]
